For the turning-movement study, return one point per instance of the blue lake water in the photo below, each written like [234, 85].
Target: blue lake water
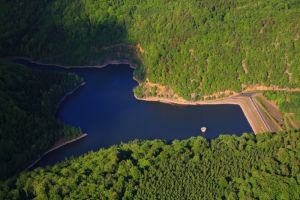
[106, 109]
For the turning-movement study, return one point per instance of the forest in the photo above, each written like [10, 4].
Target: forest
[28, 102]
[196, 47]
[264, 166]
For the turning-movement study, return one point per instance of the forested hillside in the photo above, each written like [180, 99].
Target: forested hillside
[196, 47]
[28, 127]
[265, 166]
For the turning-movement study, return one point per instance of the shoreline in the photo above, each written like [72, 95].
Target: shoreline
[55, 147]
[67, 95]
[106, 63]
[244, 102]
[110, 62]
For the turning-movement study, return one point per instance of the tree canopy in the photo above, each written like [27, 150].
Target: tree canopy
[195, 47]
[264, 166]
[28, 102]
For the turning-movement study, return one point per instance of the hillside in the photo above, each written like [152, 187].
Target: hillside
[195, 50]
[28, 127]
[194, 47]
[265, 166]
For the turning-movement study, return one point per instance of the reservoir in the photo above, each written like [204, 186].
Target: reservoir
[106, 109]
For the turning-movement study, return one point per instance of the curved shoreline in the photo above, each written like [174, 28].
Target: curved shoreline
[67, 95]
[246, 104]
[55, 148]
[106, 63]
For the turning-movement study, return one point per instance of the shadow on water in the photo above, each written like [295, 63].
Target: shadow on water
[62, 32]
[106, 109]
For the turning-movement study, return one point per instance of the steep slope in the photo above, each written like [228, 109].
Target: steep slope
[195, 47]
[28, 126]
[253, 167]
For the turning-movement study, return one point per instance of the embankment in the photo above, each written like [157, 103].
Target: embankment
[248, 107]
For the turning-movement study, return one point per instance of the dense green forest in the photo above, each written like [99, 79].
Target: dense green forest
[264, 166]
[28, 102]
[196, 47]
